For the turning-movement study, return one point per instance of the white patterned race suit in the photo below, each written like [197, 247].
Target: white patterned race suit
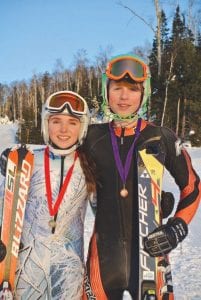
[51, 264]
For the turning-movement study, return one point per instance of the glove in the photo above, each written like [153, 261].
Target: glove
[2, 251]
[167, 204]
[3, 161]
[166, 237]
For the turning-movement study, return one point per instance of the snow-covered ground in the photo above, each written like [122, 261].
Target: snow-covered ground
[185, 260]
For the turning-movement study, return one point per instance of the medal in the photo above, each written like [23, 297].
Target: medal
[124, 193]
[53, 208]
[123, 169]
[52, 223]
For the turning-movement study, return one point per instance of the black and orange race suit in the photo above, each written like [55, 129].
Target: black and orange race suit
[114, 253]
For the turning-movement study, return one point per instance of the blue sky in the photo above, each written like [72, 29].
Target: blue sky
[35, 33]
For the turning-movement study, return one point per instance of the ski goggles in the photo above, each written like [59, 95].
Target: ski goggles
[120, 66]
[74, 104]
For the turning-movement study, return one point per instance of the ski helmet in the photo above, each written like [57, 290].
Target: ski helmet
[123, 66]
[68, 103]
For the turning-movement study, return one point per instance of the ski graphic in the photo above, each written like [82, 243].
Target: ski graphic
[18, 174]
[155, 280]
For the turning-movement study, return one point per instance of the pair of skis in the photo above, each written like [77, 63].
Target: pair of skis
[18, 174]
[155, 279]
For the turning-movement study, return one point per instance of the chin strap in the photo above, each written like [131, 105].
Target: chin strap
[63, 152]
[112, 116]
[125, 124]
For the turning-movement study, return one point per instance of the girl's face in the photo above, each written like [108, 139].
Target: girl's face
[124, 97]
[63, 130]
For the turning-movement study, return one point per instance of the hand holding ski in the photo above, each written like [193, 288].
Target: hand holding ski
[167, 204]
[165, 238]
[3, 160]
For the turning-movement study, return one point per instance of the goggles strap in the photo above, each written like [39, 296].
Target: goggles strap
[118, 68]
[58, 102]
[66, 106]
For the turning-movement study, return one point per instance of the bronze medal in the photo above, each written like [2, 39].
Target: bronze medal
[123, 169]
[124, 193]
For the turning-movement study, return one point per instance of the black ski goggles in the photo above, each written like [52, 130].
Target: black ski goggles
[75, 104]
[120, 66]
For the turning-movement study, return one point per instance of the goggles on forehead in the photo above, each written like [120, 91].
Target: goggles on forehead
[120, 66]
[72, 102]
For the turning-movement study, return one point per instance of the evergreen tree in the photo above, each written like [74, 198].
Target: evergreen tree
[181, 88]
[176, 93]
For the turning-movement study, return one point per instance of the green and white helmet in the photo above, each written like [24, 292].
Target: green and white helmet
[68, 103]
[120, 67]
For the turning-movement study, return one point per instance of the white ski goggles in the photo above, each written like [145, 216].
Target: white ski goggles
[73, 102]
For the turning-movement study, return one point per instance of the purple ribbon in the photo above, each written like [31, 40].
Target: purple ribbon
[123, 170]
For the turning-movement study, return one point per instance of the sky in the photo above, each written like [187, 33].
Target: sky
[35, 34]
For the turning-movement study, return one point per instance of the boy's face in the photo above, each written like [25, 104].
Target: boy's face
[124, 97]
[63, 130]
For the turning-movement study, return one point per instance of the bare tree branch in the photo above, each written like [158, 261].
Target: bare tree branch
[158, 33]
[138, 16]
[170, 77]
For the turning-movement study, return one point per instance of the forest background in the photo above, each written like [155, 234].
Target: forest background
[175, 64]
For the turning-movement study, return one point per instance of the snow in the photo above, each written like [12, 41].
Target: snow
[185, 260]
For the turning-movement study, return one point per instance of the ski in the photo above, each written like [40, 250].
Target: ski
[155, 279]
[18, 173]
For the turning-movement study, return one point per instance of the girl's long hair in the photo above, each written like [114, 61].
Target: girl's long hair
[88, 167]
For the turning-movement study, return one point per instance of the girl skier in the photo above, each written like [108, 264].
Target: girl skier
[51, 253]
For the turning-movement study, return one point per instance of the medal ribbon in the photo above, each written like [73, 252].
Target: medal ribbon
[53, 209]
[123, 170]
